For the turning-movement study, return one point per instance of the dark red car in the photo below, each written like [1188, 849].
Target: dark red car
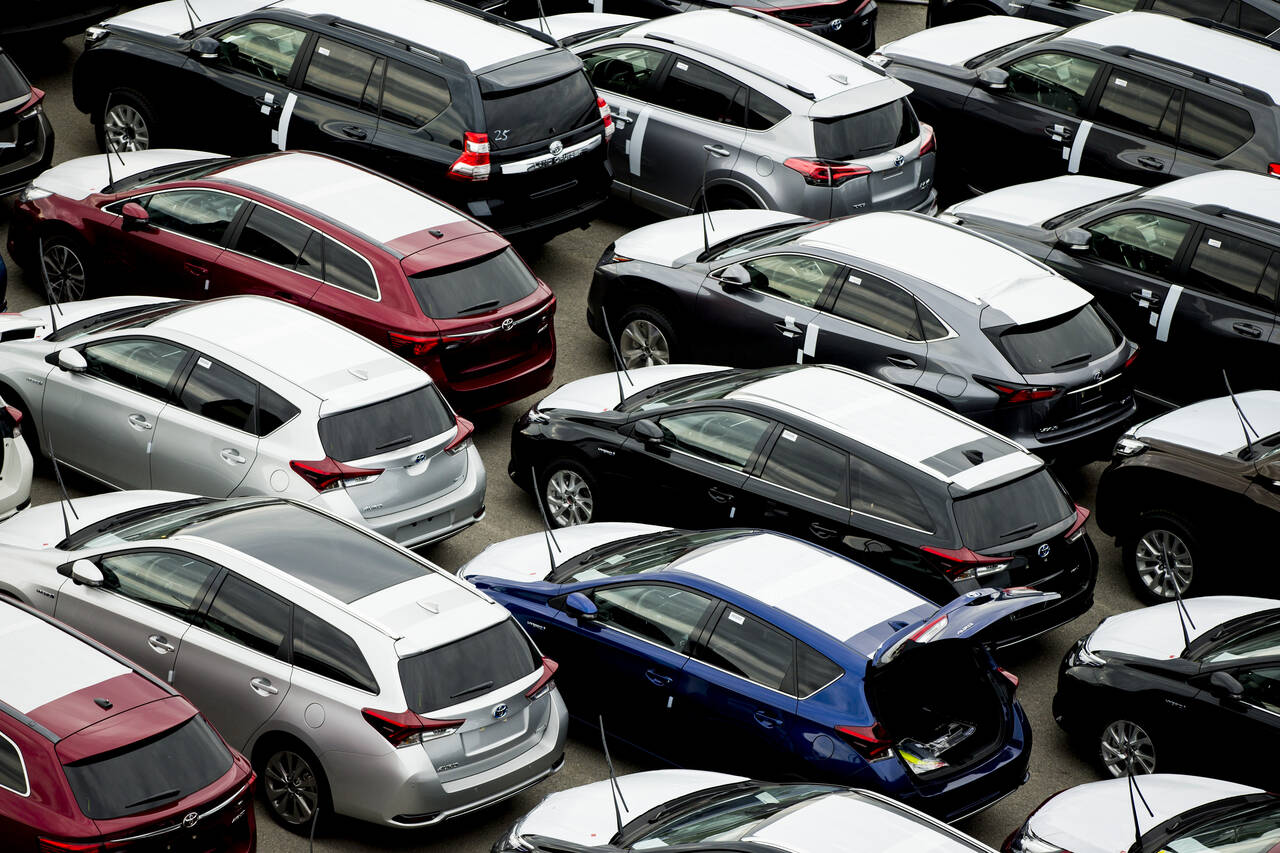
[97, 755]
[439, 288]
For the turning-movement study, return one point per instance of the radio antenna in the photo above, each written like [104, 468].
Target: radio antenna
[1184, 615]
[546, 522]
[613, 778]
[620, 367]
[54, 308]
[65, 503]
[1135, 794]
[106, 138]
[192, 17]
[1244, 422]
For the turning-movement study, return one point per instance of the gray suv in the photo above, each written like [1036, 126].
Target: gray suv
[735, 109]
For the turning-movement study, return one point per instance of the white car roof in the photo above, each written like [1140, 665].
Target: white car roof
[972, 267]
[360, 200]
[42, 663]
[1243, 192]
[1213, 425]
[1214, 52]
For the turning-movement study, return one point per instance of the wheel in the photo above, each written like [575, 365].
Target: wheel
[1160, 551]
[66, 267]
[645, 338]
[294, 786]
[569, 494]
[127, 120]
[1125, 742]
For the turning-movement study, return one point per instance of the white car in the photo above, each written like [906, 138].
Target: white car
[16, 463]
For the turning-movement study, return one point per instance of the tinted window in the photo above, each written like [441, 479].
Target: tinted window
[276, 239]
[876, 492]
[796, 278]
[666, 615]
[323, 649]
[536, 113]
[262, 49]
[1111, 5]
[813, 670]
[1262, 687]
[1140, 241]
[273, 411]
[411, 96]
[625, 70]
[1245, 829]
[1263, 642]
[13, 773]
[12, 84]
[145, 366]
[1254, 20]
[698, 91]
[340, 72]
[748, 647]
[1211, 9]
[249, 615]
[344, 268]
[1012, 511]
[1235, 268]
[712, 386]
[874, 302]
[737, 814]
[1140, 105]
[1213, 128]
[477, 286]
[1053, 80]
[642, 554]
[728, 438]
[763, 112]
[220, 394]
[201, 214]
[807, 466]
[1071, 339]
[162, 579]
[177, 763]
[866, 133]
[450, 674]
[386, 425]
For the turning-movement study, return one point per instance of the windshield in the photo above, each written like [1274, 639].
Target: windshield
[1060, 343]
[639, 554]
[727, 816]
[1253, 829]
[1261, 642]
[12, 84]
[133, 317]
[992, 55]
[597, 35]
[477, 286]
[713, 386]
[152, 522]
[1012, 511]
[386, 425]
[493, 658]
[1061, 218]
[538, 112]
[866, 133]
[189, 170]
[765, 238]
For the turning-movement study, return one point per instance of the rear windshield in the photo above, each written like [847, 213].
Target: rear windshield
[150, 774]
[12, 84]
[471, 666]
[862, 134]
[539, 112]
[1070, 340]
[1012, 511]
[386, 425]
[481, 285]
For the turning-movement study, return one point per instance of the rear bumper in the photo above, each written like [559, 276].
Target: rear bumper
[1090, 440]
[1077, 599]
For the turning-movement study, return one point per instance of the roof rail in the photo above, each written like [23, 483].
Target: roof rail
[1253, 94]
[446, 59]
[746, 66]
[1209, 23]
[808, 34]
[1228, 213]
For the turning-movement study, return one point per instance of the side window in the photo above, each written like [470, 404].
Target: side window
[145, 366]
[1139, 105]
[1111, 5]
[262, 48]
[1235, 268]
[813, 671]
[1254, 20]
[344, 268]
[1140, 241]
[808, 467]
[763, 112]
[728, 438]
[274, 411]
[876, 492]
[162, 579]
[321, 648]
[1262, 687]
[874, 302]
[1213, 128]
[13, 770]
[247, 614]
[796, 278]
[342, 73]
[413, 97]
[625, 70]
[275, 238]
[666, 615]
[1211, 9]
[201, 214]
[220, 394]
[1054, 80]
[698, 91]
[755, 650]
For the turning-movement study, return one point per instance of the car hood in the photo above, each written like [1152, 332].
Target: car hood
[600, 393]
[1213, 426]
[1110, 823]
[1026, 206]
[83, 176]
[525, 558]
[669, 242]
[170, 17]
[1156, 632]
[585, 815]
[570, 24]
[955, 44]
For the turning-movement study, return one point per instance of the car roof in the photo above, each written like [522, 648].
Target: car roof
[42, 663]
[1218, 54]
[1255, 196]
[357, 199]
[989, 272]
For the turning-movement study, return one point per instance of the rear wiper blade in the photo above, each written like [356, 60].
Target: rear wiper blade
[395, 442]
[1026, 528]
[484, 685]
[480, 306]
[1084, 356]
[163, 795]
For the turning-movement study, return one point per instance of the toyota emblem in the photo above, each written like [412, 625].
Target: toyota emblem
[836, 24]
[556, 148]
[499, 711]
[1097, 375]
[508, 324]
[419, 458]
[899, 160]
[190, 819]
[1043, 551]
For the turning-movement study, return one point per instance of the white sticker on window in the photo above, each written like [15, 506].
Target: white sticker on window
[788, 435]
[1121, 83]
[853, 278]
[323, 51]
[766, 797]
[682, 66]
[1217, 244]
[736, 618]
[204, 362]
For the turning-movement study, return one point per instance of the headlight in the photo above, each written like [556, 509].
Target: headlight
[1128, 446]
[1081, 656]
[515, 841]
[31, 192]
[1026, 841]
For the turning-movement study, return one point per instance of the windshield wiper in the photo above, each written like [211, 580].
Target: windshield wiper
[395, 442]
[484, 685]
[1017, 531]
[163, 795]
[1084, 356]
[480, 306]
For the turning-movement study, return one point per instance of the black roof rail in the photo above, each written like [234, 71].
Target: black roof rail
[813, 37]
[6, 708]
[1209, 23]
[1250, 92]
[1229, 213]
[446, 59]
[745, 66]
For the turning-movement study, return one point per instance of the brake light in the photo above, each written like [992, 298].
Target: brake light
[871, 741]
[405, 728]
[30, 108]
[15, 418]
[545, 683]
[473, 165]
[1077, 527]
[1015, 392]
[50, 845]
[930, 141]
[825, 173]
[1273, 169]
[606, 118]
[965, 564]
[1133, 356]
[460, 441]
[929, 630]
[1013, 679]
[328, 473]
[415, 345]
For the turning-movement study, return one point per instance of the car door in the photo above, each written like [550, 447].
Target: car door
[336, 110]
[207, 440]
[625, 76]
[274, 255]
[1253, 717]
[233, 664]
[1135, 127]
[876, 327]
[800, 488]
[421, 122]
[102, 421]
[144, 606]
[770, 321]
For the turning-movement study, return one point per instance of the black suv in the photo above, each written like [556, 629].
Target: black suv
[1259, 18]
[504, 124]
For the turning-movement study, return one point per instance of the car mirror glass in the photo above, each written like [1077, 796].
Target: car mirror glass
[86, 573]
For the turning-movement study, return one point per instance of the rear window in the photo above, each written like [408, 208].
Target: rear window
[1069, 340]
[12, 84]
[386, 425]
[481, 285]
[149, 774]
[538, 112]
[1012, 511]
[862, 134]
[471, 666]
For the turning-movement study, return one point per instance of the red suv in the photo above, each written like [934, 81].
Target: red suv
[97, 755]
[415, 275]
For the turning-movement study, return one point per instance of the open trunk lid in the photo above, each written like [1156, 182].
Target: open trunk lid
[962, 619]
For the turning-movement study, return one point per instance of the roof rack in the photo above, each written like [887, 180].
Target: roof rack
[1249, 92]
[1229, 213]
[746, 66]
[1209, 23]
[802, 32]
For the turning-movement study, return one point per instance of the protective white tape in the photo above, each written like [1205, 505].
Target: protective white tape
[1077, 146]
[636, 142]
[811, 339]
[282, 138]
[1166, 312]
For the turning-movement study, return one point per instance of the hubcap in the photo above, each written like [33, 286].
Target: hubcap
[1124, 743]
[569, 500]
[126, 130]
[65, 271]
[292, 788]
[644, 345]
[1163, 560]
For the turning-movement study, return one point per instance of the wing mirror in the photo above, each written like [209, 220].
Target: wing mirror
[86, 573]
[205, 47]
[70, 360]
[135, 216]
[1073, 239]
[1225, 685]
[993, 78]
[734, 277]
[648, 432]
[581, 607]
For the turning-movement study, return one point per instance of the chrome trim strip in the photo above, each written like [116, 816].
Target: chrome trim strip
[179, 825]
[548, 159]
[498, 328]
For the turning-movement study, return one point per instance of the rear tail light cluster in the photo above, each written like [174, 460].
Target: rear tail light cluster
[825, 173]
[871, 742]
[1273, 169]
[414, 346]
[1013, 679]
[1016, 392]
[463, 438]
[32, 106]
[15, 421]
[930, 141]
[405, 728]
[1133, 356]
[545, 683]
[606, 118]
[473, 165]
[965, 564]
[930, 630]
[328, 473]
[1076, 531]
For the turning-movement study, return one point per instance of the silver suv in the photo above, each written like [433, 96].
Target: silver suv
[358, 677]
[776, 117]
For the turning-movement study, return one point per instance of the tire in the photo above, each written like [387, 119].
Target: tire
[293, 785]
[67, 266]
[1116, 738]
[134, 121]
[645, 338]
[1146, 565]
[569, 494]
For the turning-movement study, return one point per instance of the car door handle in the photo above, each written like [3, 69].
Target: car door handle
[139, 421]
[901, 360]
[767, 720]
[263, 687]
[1153, 163]
[1247, 329]
[159, 644]
[272, 106]
[720, 496]
[1059, 131]
[787, 330]
[822, 531]
[717, 150]
[1152, 299]
[657, 678]
[232, 456]
[354, 131]
[286, 296]
[195, 269]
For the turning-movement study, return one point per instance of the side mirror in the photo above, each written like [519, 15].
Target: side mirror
[993, 78]
[85, 572]
[135, 217]
[734, 277]
[205, 47]
[1225, 685]
[648, 432]
[580, 607]
[1074, 239]
[70, 360]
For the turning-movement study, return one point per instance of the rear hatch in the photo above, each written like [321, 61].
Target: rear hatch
[19, 118]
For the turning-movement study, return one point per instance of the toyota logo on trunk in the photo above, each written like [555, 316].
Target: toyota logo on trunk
[899, 160]
[1043, 551]
[190, 819]
[499, 711]
[508, 324]
[557, 148]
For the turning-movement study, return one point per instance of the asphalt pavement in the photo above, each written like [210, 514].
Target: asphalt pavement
[565, 264]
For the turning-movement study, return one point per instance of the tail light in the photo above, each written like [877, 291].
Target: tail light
[1013, 679]
[32, 106]
[52, 844]
[930, 141]
[473, 165]
[1133, 356]
[414, 345]
[545, 683]
[405, 728]
[1077, 527]
[871, 742]
[606, 118]
[929, 630]
[15, 421]
[825, 173]
[463, 438]
[964, 564]
[1273, 169]
[329, 473]
[1016, 392]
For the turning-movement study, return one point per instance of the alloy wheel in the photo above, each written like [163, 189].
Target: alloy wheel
[126, 129]
[569, 499]
[65, 272]
[291, 787]
[1163, 559]
[644, 345]
[1124, 744]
